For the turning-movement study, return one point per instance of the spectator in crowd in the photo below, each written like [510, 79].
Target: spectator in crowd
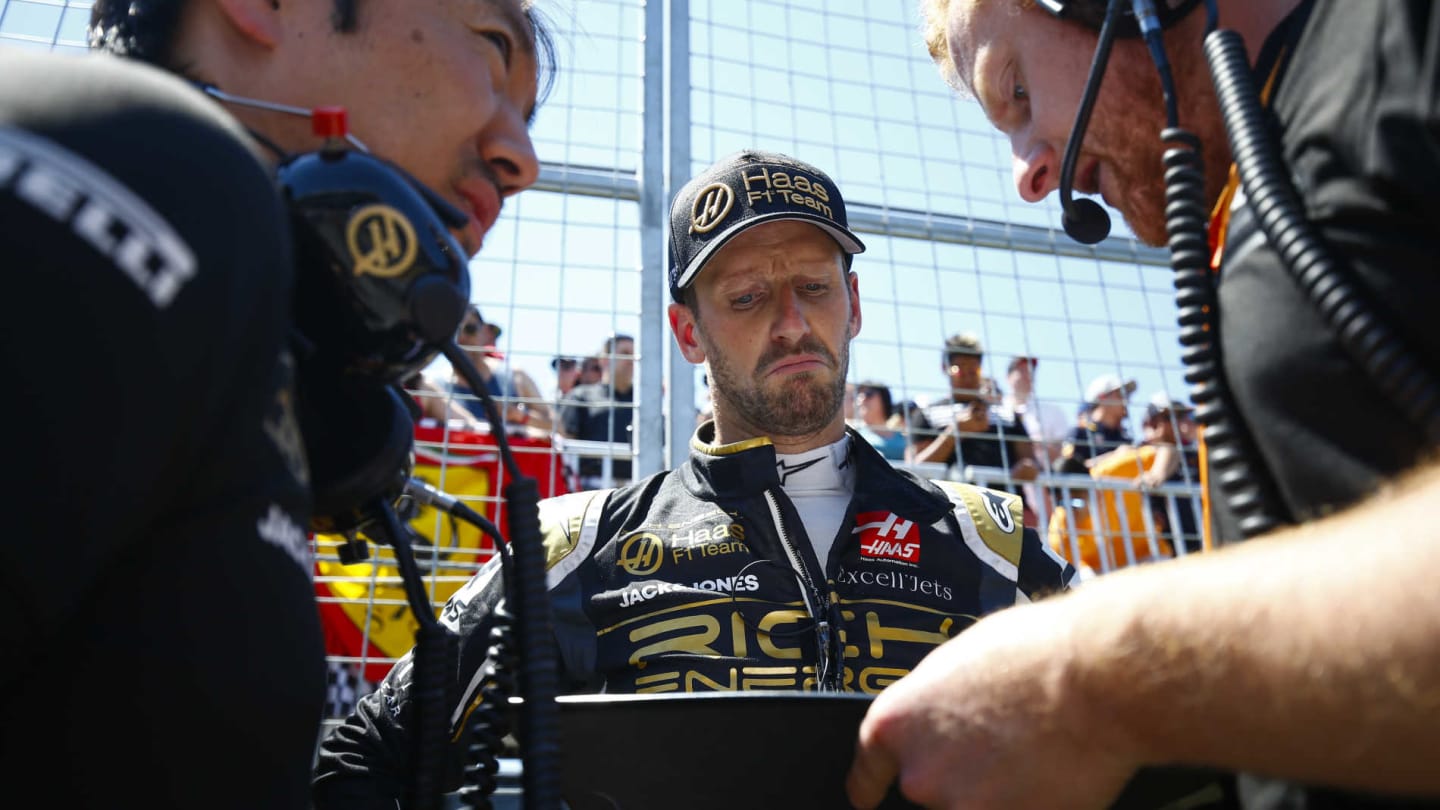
[567, 376]
[1102, 423]
[1045, 422]
[775, 494]
[966, 428]
[592, 370]
[437, 404]
[1169, 427]
[161, 640]
[1129, 526]
[875, 420]
[513, 389]
[1303, 654]
[603, 412]
[909, 416]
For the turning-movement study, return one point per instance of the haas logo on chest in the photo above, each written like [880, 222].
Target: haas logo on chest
[884, 535]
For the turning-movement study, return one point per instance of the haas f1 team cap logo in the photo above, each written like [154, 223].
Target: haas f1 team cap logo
[746, 189]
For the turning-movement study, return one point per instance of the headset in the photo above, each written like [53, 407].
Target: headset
[1084, 220]
[1238, 470]
[380, 284]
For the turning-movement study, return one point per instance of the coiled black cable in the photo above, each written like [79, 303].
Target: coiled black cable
[539, 714]
[489, 723]
[1228, 445]
[434, 660]
[1368, 340]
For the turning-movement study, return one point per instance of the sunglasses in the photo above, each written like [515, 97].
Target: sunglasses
[471, 328]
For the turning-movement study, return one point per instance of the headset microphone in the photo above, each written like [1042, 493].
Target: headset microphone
[1084, 220]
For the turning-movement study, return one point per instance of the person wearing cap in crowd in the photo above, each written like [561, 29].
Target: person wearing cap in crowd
[785, 553]
[1123, 532]
[567, 375]
[1102, 425]
[513, 389]
[967, 428]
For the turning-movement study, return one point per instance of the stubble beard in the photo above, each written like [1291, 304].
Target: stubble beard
[1141, 177]
[801, 405]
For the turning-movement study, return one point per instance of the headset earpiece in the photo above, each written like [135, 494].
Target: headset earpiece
[359, 439]
[380, 278]
[380, 284]
[1091, 13]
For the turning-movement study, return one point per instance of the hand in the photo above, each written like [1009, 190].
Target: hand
[972, 417]
[990, 719]
[1024, 470]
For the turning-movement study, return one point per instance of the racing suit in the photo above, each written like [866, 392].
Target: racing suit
[702, 578]
[160, 640]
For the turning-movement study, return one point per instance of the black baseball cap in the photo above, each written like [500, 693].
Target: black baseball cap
[744, 189]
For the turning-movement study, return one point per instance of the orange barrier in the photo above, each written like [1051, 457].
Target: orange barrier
[363, 609]
[1123, 513]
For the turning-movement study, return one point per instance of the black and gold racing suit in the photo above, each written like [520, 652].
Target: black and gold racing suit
[702, 578]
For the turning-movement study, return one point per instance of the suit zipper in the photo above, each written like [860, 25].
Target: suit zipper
[825, 675]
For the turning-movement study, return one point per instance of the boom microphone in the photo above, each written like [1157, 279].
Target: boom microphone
[1084, 220]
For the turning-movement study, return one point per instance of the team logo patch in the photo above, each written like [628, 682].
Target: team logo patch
[997, 505]
[381, 241]
[884, 536]
[80, 196]
[641, 554]
[712, 205]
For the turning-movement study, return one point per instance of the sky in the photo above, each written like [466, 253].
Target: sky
[845, 85]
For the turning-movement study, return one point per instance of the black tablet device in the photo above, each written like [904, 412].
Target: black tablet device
[761, 750]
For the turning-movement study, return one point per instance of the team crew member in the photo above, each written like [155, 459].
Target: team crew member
[786, 553]
[1313, 654]
[161, 641]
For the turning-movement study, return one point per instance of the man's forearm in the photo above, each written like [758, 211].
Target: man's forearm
[938, 450]
[1313, 655]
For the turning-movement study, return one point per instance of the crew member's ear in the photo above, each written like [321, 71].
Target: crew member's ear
[682, 323]
[256, 20]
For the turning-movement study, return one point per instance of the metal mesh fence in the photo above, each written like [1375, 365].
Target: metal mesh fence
[648, 95]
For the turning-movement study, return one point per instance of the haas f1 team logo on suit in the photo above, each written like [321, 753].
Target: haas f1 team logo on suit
[884, 536]
[641, 554]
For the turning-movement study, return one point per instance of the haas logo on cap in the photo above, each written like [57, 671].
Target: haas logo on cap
[711, 206]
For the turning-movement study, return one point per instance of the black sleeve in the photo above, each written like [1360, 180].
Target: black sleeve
[1041, 571]
[572, 412]
[365, 762]
[155, 548]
